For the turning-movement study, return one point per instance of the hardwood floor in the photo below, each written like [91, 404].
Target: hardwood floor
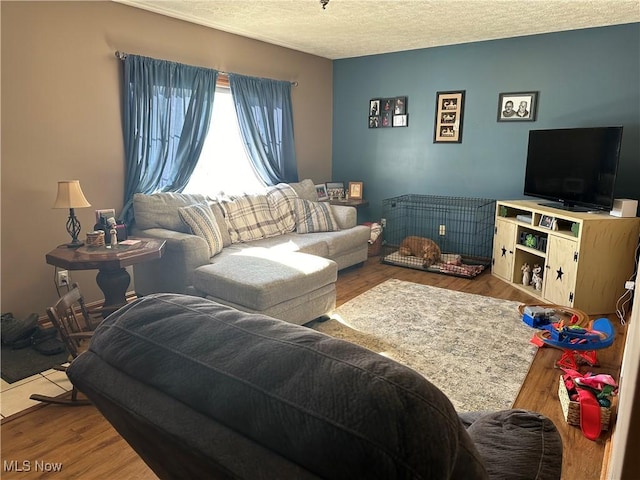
[88, 447]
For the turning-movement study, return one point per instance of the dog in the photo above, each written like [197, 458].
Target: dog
[424, 248]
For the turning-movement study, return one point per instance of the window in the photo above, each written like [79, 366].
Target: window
[223, 165]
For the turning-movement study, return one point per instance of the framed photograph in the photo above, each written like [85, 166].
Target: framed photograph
[321, 190]
[386, 105]
[374, 107]
[374, 122]
[355, 190]
[335, 190]
[517, 107]
[386, 119]
[547, 221]
[400, 106]
[103, 215]
[400, 120]
[449, 114]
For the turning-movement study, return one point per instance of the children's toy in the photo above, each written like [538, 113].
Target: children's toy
[577, 339]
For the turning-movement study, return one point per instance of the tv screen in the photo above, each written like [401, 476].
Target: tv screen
[574, 166]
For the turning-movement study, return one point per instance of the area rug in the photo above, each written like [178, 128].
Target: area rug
[25, 362]
[474, 348]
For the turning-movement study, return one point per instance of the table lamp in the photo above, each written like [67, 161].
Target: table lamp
[70, 196]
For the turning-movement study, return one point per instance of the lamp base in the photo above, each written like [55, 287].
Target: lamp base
[75, 244]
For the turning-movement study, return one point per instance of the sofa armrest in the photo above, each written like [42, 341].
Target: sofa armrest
[173, 272]
[346, 216]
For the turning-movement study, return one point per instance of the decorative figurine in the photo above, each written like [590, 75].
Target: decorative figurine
[526, 274]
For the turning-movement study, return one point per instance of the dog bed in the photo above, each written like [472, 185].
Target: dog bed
[449, 264]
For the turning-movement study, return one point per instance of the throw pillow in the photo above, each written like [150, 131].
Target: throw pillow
[314, 217]
[159, 210]
[249, 218]
[199, 218]
[281, 198]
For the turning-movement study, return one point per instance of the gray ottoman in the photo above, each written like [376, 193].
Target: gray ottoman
[291, 286]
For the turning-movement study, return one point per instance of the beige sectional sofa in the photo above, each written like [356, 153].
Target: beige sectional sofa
[276, 254]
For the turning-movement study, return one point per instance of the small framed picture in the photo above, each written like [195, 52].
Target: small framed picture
[400, 120]
[400, 106]
[321, 190]
[547, 221]
[355, 190]
[517, 107]
[449, 113]
[104, 214]
[335, 190]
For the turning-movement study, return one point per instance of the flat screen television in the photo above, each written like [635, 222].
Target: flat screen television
[574, 167]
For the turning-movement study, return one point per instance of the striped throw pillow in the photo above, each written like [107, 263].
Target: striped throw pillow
[281, 199]
[314, 217]
[199, 218]
[249, 218]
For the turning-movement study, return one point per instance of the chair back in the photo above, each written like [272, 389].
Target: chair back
[71, 318]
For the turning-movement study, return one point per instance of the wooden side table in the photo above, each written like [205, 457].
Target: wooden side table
[112, 278]
[350, 203]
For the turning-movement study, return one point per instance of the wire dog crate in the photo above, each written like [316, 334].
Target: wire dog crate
[462, 228]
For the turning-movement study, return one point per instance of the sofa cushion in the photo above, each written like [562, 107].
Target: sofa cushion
[305, 189]
[249, 218]
[199, 218]
[260, 278]
[332, 407]
[314, 217]
[525, 444]
[218, 214]
[281, 198]
[160, 210]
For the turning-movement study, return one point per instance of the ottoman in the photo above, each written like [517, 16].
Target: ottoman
[292, 286]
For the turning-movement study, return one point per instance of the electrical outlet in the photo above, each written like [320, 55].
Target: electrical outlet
[383, 222]
[63, 278]
[443, 230]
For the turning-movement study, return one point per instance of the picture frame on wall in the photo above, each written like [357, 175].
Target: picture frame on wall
[449, 116]
[517, 106]
[388, 112]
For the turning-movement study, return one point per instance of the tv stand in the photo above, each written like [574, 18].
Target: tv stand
[585, 257]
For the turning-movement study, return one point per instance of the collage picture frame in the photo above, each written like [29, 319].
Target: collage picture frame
[449, 117]
[388, 112]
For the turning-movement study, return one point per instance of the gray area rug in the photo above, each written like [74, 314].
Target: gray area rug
[476, 349]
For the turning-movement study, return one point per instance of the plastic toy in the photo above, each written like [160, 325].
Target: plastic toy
[577, 342]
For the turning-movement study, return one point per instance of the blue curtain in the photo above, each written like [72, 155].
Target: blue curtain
[167, 110]
[265, 116]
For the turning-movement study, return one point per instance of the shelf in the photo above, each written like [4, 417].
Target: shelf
[533, 251]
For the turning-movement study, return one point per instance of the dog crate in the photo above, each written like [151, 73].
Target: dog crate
[461, 227]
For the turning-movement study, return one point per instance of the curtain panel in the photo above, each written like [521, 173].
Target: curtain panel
[167, 111]
[265, 116]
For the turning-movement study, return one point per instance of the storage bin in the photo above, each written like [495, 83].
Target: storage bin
[571, 409]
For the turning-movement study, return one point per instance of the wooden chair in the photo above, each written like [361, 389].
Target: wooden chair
[75, 326]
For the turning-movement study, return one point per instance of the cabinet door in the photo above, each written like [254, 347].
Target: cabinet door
[504, 241]
[560, 271]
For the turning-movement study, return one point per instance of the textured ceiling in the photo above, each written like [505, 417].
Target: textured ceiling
[353, 28]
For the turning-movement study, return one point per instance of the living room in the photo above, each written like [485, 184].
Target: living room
[62, 115]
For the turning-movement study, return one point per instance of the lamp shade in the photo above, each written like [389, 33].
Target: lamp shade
[70, 195]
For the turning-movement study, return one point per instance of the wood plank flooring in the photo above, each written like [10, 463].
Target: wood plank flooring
[89, 448]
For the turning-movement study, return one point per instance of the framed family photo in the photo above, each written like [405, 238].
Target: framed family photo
[449, 113]
[321, 190]
[517, 107]
[355, 190]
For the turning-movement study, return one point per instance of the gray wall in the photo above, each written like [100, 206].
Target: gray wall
[585, 78]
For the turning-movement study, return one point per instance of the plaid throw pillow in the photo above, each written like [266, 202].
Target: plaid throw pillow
[199, 218]
[281, 199]
[249, 218]
[314, 217]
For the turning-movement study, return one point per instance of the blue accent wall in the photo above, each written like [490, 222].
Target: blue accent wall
[584, 78]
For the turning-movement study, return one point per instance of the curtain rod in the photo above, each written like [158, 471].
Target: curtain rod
[122, 55]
